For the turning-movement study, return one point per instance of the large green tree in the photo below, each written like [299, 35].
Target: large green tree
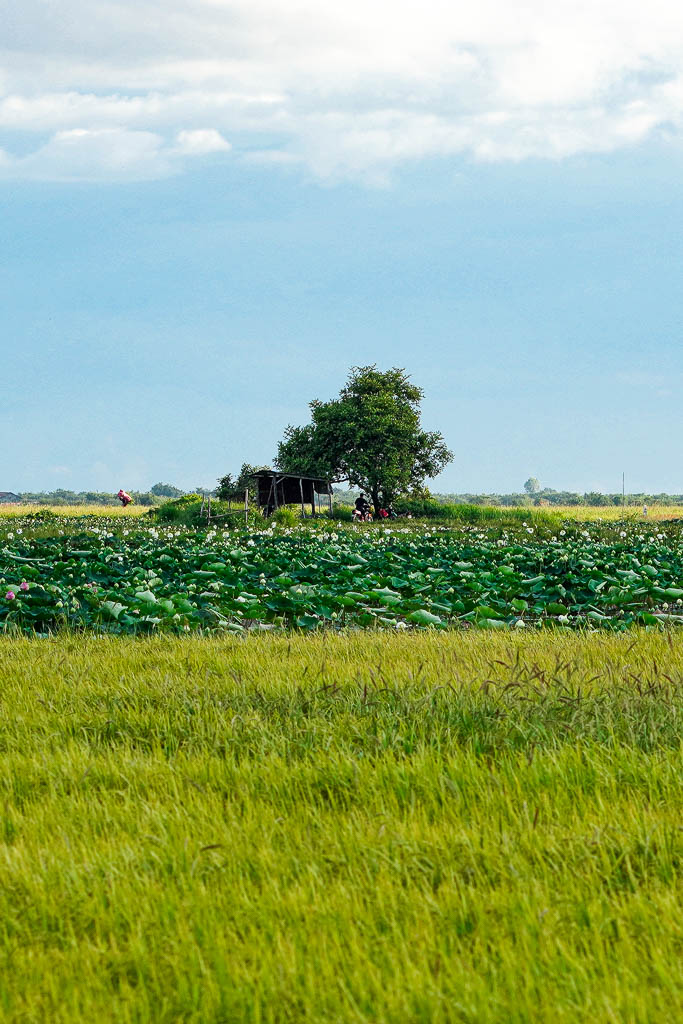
[370, 436]
[232, 488]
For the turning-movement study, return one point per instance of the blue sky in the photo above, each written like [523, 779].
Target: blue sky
[181, 273]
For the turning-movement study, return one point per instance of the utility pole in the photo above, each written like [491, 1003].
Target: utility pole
[623, 493]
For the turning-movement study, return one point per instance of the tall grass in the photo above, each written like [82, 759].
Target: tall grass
[548, 514]
[612, 513]
[352, 828]
[13, 511]
[456, 514]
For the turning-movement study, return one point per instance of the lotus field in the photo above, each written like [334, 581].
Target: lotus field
[120, 576]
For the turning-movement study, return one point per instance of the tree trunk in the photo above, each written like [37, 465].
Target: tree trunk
[374, 494]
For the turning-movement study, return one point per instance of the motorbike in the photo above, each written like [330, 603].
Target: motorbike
[357, 516]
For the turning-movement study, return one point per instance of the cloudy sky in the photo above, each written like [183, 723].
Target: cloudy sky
[211, 209]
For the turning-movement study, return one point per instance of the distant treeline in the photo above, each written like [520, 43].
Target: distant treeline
[62, 497]
[550, 497]
[161, 492]
[157, 494]
[542, 498]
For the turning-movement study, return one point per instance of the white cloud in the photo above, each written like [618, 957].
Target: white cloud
[200, 142]
[142, 87]
[81, 154]
[109, 154]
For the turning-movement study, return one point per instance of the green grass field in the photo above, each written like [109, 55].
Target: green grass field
[14, 510]
[360, 828]
[611, 513]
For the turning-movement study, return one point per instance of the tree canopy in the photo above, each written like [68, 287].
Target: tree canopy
[162, 490]
[230, 487]
[370, 435]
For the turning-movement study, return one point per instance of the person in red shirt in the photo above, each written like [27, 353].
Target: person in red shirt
[124, 498]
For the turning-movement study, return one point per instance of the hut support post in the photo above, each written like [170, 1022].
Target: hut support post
[246, 507]
[301, 492]
[272, 496]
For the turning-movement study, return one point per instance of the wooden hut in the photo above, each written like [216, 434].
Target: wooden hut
[277, 489]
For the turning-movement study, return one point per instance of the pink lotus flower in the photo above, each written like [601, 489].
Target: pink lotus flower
[23, 585]
[10, 595]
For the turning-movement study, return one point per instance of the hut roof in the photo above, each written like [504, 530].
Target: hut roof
[275, 488]
[264, 473]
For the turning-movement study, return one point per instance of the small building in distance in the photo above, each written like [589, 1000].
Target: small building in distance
[277, 489]
[9, 496]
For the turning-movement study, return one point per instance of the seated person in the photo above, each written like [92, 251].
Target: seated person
[362, 504]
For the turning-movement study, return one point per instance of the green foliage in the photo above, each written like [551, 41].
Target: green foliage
[166, 491]
[232, 488]
[192, 510]
[394, 829]
[42, 515]
[147, 499]
[430, 508]
[227, 487]
[532, 486]
[344, 496]
[286, 515]
[174, 576]
[370, 436]
[596, 498]
[181, 510]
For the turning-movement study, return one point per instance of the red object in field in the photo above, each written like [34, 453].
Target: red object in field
[383, 513]
[124, 498]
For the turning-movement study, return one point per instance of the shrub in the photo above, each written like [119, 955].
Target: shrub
[286, 516]
[43, 515]
[188, 510]
[180, 510]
